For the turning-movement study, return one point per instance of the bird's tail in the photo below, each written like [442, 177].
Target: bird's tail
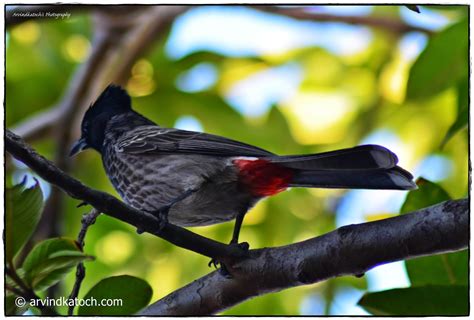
[362, 167]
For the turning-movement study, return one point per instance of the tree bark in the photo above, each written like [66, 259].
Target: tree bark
[349, 250]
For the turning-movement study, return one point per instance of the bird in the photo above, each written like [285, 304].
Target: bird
[192, 178]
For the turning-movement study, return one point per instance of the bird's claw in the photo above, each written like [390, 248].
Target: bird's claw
[83, 203]
[214, 262]
[243, 245]
[162, 215]
[223, 269]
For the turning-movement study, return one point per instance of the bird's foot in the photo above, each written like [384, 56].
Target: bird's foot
[162, 215]
[162, 219]
[243, 245]
[223, 269]
[83, 203]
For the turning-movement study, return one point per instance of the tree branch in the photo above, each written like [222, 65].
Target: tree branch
[88, 219]
[349, 250]
[111, 206]
[384, 23]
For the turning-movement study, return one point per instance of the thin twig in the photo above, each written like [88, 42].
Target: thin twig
[388, 24]
[87, 220]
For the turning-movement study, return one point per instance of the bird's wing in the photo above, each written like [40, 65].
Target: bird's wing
[155, 140]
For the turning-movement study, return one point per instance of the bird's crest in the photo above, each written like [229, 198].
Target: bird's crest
[113, 100]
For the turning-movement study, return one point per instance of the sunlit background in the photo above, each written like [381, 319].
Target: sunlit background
[286, 85]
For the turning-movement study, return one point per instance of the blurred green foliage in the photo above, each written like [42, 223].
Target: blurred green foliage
[377, 89]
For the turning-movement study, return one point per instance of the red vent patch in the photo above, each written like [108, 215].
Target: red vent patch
[263, 178]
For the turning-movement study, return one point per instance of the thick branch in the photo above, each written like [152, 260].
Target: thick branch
[111, 206]
[350, 250]
[384, 23]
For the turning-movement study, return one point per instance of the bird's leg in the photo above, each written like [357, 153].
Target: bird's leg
[234, 241]
[237, 226]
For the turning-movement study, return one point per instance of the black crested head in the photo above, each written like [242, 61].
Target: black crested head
[113, 101]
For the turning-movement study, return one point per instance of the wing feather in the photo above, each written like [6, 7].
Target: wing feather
[155, 140]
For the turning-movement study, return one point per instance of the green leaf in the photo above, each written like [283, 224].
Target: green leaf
[134, 294]
[418, 301]
[444, 269]
[23, 209]
[463, 111]
[441, 269]
[50, 261]
[442, 64]
[427, 194]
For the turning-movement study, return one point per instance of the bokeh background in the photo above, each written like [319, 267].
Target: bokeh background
[288, 85]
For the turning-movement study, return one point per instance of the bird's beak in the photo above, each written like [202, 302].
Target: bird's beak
[78, 146]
